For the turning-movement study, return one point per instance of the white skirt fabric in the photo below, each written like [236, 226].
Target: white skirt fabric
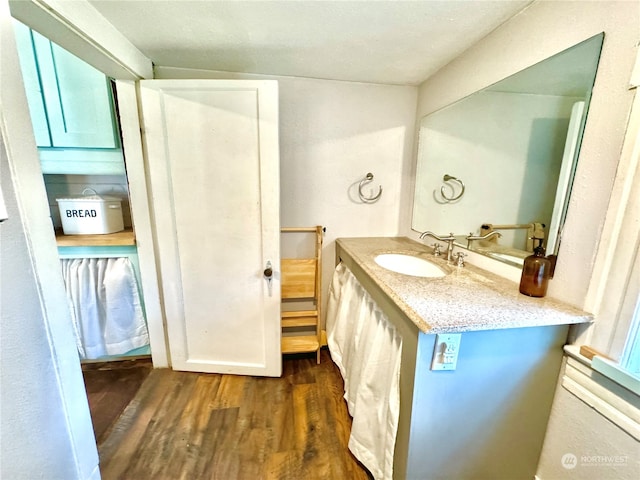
[105, 306]
[367, 349]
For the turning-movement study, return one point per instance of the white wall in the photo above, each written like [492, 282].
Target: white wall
[35, 437]
[535, 34]
[602, 450]
[331, 134]
[45, 425]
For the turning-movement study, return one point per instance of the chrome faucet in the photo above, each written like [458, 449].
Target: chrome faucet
[449, 241]
[472, 237]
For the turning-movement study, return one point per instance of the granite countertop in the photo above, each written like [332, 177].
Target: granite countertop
[466, 299]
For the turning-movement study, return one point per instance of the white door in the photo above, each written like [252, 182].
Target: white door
[213, 169]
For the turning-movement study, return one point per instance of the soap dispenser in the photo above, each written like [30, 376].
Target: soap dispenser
[536, 271]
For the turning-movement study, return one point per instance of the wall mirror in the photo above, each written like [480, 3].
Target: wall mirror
[503, 158]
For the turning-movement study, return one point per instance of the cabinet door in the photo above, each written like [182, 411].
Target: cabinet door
[32, 86]
[77, 99]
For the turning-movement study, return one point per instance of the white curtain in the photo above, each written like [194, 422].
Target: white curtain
[367, 349]
[105, 306]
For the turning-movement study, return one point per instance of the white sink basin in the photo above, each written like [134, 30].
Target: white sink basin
[409, 265]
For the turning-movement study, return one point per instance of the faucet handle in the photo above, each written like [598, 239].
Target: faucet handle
[436, 249]
[460, 259]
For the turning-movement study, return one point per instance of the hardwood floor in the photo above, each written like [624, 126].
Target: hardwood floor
[110, 387]
[184, 425]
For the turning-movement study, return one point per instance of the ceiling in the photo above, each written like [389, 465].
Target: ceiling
[390, 42]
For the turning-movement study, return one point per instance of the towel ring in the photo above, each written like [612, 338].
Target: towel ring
[368, 179]
[448, 178]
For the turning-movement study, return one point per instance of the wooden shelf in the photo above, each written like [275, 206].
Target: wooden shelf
[300, 344]
[299, 319]
[126, 237]
[301, 282]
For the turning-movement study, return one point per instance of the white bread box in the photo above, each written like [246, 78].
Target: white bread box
[90, 214]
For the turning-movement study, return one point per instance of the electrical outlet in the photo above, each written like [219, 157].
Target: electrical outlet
[445, 352]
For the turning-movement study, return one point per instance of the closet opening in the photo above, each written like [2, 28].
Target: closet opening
[74, 117]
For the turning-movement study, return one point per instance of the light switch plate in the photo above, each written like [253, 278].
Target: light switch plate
[445, 352]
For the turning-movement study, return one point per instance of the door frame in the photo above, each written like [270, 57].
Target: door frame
[31, 210]
[81, 30]
[141, 215]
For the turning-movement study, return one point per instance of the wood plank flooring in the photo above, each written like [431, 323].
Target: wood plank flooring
[184, 425]
[110, 387]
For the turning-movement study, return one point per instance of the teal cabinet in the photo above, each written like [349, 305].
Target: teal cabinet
[32, 85]
[71, 107]
[77, 98]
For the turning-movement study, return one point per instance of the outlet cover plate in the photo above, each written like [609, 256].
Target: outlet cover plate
[445, 352]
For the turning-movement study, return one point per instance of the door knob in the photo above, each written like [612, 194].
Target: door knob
[268, 271]
[268, 274]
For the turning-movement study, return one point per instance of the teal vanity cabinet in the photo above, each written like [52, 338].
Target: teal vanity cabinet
[71, 107]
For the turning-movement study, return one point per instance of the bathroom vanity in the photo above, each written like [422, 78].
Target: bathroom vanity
[487, 418]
